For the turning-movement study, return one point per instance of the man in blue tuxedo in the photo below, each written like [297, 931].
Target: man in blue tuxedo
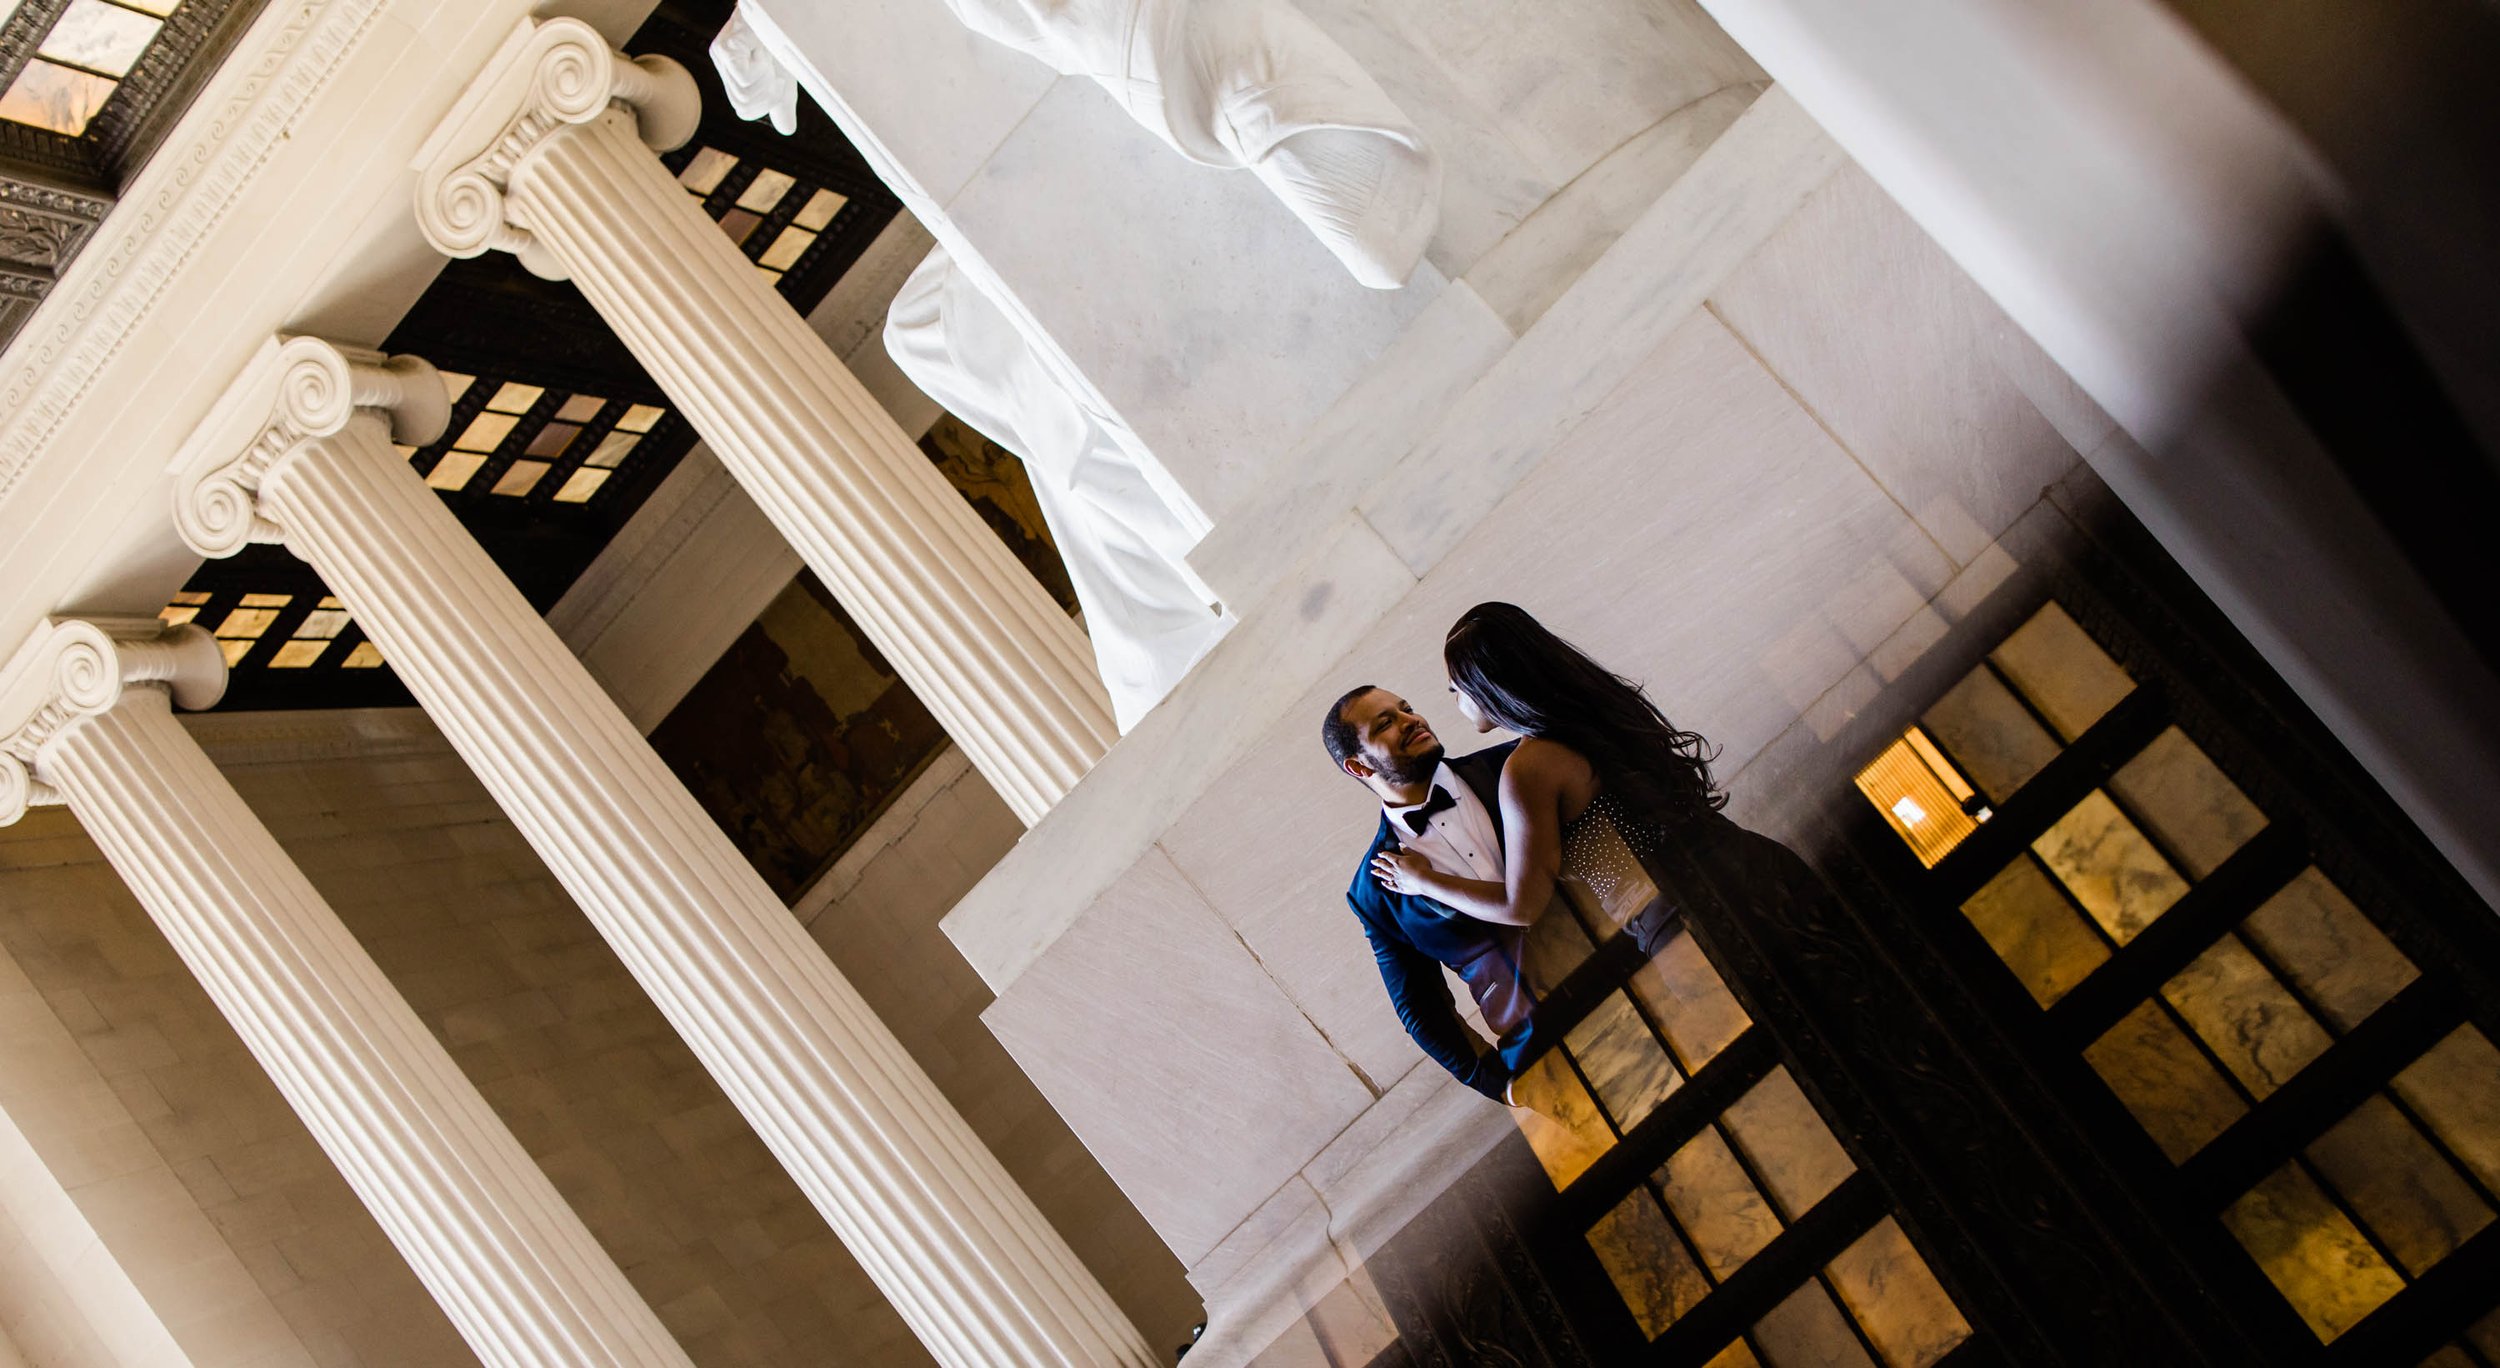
[1450, 812]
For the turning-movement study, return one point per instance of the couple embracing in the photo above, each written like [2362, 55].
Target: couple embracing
[1601, 819]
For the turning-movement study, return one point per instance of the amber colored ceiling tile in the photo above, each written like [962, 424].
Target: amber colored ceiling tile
[48, 95]
[1648, 1266]
[2311, 1252]
[1789, 1146]
[2065, 674]
[2175, 1093]
[1622, 1060]
[1716, 1203]
[2037, 933]
[2109, 867]
[1690, 1002]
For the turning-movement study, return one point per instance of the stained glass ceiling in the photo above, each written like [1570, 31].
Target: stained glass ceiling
[81, 62]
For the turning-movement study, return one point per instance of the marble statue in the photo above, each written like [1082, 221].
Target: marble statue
[1149, 615]
[1250, 84]
[752, 75]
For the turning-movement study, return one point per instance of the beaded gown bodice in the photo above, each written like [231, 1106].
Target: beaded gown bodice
[1601, 870]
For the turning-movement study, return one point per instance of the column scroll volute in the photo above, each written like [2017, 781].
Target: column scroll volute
[294, 390]
[73, 668]
[548, 75]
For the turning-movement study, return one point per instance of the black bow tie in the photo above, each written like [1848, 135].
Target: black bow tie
[1418, 818]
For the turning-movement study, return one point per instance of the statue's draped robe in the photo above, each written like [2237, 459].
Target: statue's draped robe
[1250, 84]
[1148, 615]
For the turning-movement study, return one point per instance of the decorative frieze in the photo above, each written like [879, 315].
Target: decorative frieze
[190, 183]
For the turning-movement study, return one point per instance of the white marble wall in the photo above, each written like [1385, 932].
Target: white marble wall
[1416, 458]
[1758, 453]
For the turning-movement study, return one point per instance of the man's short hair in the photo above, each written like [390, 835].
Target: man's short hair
[1342, 738]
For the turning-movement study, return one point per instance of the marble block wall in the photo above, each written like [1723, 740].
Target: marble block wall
[1198, 311]
[1754, 466]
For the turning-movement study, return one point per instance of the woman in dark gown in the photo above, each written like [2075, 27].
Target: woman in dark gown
[1604, 802]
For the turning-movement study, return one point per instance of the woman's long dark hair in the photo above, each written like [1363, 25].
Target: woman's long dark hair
[1535, 683]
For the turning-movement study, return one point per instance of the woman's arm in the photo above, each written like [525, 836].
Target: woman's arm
[1532, 781]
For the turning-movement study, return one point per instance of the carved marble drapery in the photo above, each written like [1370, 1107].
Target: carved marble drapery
[1148, 614]
[1251, 84]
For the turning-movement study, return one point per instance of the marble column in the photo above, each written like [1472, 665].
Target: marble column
[550, 155]
[87, 708]
[300, 451]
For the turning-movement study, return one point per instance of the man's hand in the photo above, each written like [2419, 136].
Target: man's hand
[1401, 870]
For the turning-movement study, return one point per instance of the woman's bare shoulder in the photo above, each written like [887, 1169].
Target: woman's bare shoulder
[1543, 764]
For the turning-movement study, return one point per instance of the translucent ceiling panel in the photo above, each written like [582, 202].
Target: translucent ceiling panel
[101, 37]
[48, 95]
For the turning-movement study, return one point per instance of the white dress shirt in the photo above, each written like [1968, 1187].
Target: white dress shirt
[1457, 840]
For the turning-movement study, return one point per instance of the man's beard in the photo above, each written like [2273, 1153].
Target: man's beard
[1412, 770]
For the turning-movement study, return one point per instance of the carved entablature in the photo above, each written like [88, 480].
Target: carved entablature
[41, 229]
[294, 390]
[79, 667]
[548, 76]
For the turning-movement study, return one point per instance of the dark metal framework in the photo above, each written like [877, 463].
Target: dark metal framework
[2059, 1229]
[2164, 1259]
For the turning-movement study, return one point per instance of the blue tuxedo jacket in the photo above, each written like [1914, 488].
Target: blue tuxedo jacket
[1413, 937]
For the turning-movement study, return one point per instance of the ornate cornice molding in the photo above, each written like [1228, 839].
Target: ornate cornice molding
[547, 76]
[188, 187]
[292, 391]
[80, 667]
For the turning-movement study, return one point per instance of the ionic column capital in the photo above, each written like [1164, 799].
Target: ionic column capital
[549, 75]
[294, 390]
[73, 668]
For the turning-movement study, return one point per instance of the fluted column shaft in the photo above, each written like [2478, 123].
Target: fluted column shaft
[997, 662]
[572, 184]
[927, 1210]
[510, 1263]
